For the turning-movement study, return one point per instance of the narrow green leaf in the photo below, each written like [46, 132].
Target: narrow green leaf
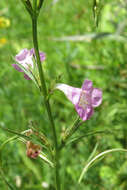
[93, 153]
[13, 138]
[45, 159]
[98, 157]
[78, 138]
[16, 133]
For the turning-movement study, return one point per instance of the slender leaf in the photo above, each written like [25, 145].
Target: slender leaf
[15, 133]
[45, 159]
[97, 157]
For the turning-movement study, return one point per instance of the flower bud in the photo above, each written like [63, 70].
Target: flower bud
[33, 150]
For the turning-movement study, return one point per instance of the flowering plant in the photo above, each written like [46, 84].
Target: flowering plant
[85, 100]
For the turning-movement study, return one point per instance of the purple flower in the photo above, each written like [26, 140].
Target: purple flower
[26, 58]
[42, 55]
[85, 99]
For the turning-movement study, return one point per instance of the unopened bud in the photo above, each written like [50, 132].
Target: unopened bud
[33, 150]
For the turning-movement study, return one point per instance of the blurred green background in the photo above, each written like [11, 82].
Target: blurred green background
[100, 57]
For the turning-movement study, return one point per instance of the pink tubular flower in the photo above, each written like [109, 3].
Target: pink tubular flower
[26, 58]
[85, 99]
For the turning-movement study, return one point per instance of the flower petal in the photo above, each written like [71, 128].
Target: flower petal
[86, 113]
[17, 67]
[42, 55]
[22, 55]
[96, 97]
[27, 77]
[72, 93]
[28, 62]
[87, 85]
[25, 58]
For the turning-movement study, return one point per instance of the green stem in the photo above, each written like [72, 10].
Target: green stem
[35, 5]
[42, 79]
[46, 101]
[28, 7]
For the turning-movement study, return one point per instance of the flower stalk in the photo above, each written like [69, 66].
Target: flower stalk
[45, 95]
[71, 130]
[42, 79]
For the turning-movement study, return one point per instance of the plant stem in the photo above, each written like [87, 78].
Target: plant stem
[42, 79]
[46, 101]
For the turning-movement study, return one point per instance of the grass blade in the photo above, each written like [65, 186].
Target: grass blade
[96, 157]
